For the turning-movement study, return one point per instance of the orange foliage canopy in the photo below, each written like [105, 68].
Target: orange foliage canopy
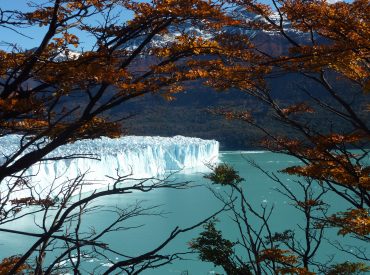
[38, 82]
[337, 45]
[66, 99]
[7, 263]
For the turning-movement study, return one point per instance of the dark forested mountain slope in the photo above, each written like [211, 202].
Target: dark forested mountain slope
[189, 114]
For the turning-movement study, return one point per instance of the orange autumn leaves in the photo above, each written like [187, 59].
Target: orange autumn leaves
[286, 259]
[337, 43]
[222, 61]
[334, 171]
[232, 61]
[92, 129]
[27, 108]
[339, 35]
[353, 221]
[328, 165]
[346, 27]
[7, 264]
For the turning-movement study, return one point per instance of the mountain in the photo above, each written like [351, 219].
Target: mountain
[188, 115]
[270, 39]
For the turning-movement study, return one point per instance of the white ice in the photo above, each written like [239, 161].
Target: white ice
[140, 157]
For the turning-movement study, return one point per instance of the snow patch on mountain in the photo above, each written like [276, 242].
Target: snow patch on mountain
[66, 55]
[170, 37]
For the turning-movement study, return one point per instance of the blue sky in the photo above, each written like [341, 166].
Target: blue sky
[34, 35]
[9, 35]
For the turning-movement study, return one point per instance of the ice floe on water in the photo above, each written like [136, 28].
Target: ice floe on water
[242, 152]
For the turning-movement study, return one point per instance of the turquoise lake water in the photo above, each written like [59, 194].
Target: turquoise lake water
[184, 208]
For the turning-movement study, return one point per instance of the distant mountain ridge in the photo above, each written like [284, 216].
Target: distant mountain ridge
[188, 115]
[273, 43]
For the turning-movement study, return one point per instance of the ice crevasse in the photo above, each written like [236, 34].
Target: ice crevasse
[139, 157]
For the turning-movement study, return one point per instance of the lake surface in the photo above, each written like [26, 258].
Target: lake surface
[184, 208]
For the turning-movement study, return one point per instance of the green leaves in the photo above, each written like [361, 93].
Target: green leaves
[212, 247]
[224, 174]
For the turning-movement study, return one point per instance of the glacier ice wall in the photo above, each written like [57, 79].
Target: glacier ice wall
[137, 156]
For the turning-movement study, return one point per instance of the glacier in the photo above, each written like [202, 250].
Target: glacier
[136, 156]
